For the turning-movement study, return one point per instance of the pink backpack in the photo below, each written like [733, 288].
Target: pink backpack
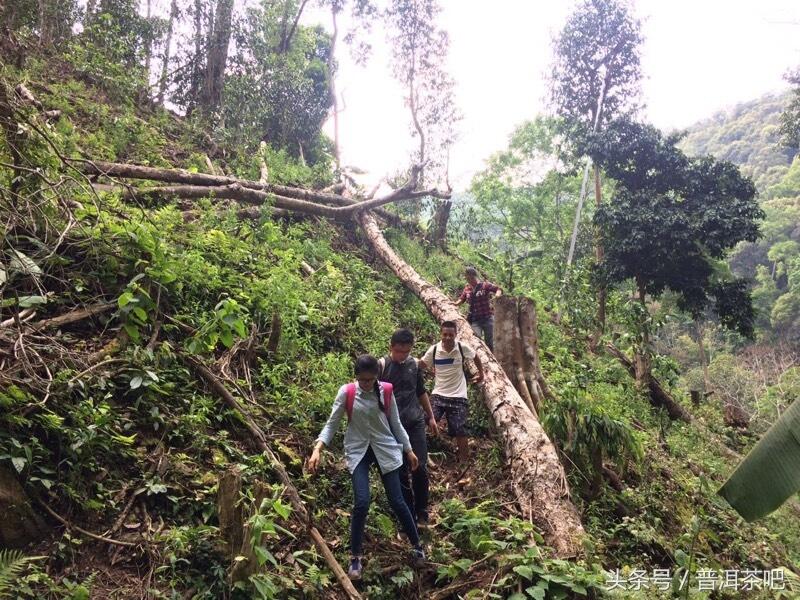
[388, 395]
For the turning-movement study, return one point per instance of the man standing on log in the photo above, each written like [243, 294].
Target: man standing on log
[480, 315]
[450, 385]
[401, 370]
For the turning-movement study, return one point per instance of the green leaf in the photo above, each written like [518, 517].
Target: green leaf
[136, 381]
[19, 463]
[28, 301]
[226, 337]
[284, 510]
[125, 299]
[770, 473]
[524, 571]
[537, 591]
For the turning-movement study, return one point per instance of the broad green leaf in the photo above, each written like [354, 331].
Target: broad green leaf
[19, 463]
[770, 473]
[136, 381]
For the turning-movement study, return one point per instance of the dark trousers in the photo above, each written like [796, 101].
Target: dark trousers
[391, 483]
[485, 329]
[415, 484]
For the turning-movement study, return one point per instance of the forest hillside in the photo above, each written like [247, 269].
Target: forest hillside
[187, 274]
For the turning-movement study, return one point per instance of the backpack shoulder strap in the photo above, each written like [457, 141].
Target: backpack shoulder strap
[461, 351]
[388, 396]
[350, 398]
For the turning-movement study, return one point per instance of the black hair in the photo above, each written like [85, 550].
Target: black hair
[366, 363]
[450, 324]
[471, 271]
[402, 336]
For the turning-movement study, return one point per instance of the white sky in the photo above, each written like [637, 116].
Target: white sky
[699, 56]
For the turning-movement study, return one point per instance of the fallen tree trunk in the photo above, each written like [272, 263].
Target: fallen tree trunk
[187, 178]
[260, 439]
[236, 191]
[538, 479]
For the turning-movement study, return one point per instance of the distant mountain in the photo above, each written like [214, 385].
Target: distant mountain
[747, 135]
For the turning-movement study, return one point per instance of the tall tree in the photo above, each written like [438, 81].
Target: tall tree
[596, 77]
[419, 51]
[162, 81]
[219, 39]
[670, 219]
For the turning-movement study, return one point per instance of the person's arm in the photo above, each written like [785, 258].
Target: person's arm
[425, 403]
[327, 433]
[426, 362]
[479, 377]
[462, 298]
[496, 289]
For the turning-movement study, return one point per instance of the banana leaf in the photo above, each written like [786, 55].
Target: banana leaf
[770, 473]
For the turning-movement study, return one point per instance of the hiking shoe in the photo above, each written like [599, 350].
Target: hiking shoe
[417, 556]
[354, 572]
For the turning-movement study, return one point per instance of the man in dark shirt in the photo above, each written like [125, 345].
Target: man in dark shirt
[400, 369]
[481, 314]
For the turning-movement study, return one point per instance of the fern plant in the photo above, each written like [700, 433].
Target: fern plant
[12, 562]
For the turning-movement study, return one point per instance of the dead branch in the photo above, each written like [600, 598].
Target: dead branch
[68, 525]
[72, 316]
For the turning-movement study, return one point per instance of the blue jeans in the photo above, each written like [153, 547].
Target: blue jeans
[391, 483]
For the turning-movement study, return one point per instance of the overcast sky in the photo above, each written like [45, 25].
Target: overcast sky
[699, 56]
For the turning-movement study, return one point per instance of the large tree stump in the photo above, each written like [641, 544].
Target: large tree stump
[20, 525]
[508, 349]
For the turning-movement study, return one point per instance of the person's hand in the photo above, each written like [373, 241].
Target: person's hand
[477, 379]
[314, 461]
[433, 426]
[413, 461]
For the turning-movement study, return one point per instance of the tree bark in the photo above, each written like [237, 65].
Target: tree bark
[440, 219]
[508, 347]
[332, 88]
[538, 478]
[182, 176]
[162, 82]
[529, 326]
[211, 97]
[598, 255]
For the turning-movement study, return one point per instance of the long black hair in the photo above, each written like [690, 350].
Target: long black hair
[368, 364]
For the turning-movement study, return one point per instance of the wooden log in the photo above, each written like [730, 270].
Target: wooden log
[181, 176]
[537, 476]
[72, 316]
